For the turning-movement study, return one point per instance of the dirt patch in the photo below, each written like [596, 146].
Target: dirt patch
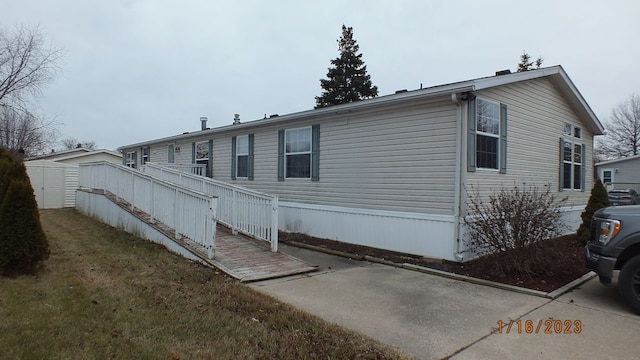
[555, 276]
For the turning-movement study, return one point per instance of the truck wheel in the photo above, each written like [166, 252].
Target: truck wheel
[629, 283]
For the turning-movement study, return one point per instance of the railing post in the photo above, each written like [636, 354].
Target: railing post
[234, 215]
[213, 224]
[153, 202]
[175, 212]
[133, 190]
[274, 224]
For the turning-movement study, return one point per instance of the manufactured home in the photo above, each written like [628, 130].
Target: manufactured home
[393, 172]
[620, 173]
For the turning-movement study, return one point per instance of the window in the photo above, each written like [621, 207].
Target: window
[131, 159]
[572, 158]
[242, 156]
[572, 165]
[487, 140]
[171, 153]
[145, 155]
[202, 151]
[607, 177]
[201, 154]
[299, 153]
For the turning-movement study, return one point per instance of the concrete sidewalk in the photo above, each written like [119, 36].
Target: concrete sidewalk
[432, 317]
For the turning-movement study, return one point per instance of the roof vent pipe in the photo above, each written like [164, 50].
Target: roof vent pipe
[236, 119]
[203, 122]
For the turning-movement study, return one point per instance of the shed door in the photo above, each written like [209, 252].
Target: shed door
[54, 190]
[36, 175]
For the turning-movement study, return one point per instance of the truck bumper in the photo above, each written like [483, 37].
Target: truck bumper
[601, 265]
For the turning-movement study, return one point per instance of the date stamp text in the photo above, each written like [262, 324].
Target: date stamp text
[548, 326]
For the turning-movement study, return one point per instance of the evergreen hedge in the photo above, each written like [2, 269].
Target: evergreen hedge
[599, 199]
[23, 244]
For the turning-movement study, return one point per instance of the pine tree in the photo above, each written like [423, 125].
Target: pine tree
[599, 199]
[526, 64]
[347, 80]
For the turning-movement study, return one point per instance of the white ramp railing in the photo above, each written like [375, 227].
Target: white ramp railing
[249, 212]
[196, 169]
[190, 213]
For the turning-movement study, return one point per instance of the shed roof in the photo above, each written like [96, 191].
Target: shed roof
[616, 161]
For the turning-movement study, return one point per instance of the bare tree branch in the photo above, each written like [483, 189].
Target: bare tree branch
[26, 64]
[22, 131]
[623, 131]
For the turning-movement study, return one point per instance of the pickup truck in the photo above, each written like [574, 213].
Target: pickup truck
[615, 245]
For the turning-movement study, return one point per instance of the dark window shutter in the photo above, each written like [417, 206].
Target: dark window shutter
[124, 157]
[583, 168]
[315, 153]
[281, 155]
[503, 138]
[210, 161]
[233, 158]
[471, 136]
[561, 188]
[250, 159]
[193, 153]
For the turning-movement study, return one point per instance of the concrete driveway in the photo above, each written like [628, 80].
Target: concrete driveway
[432, 317]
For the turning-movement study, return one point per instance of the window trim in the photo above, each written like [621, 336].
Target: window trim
[171, 153]
[287, 154]
[572, 163]
[238, 154]
[145, 155]
[131, 159]
[314, 154]
[473, 132]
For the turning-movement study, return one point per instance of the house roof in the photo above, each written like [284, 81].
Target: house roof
[610, 162]
[556, 74]
[72, 154]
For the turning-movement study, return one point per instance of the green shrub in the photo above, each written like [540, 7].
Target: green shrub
[599, 199]
[23, 244]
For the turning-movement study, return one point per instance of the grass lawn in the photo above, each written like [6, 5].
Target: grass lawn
[106, 294]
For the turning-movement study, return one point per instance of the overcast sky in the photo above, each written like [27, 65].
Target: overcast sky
[137, 70]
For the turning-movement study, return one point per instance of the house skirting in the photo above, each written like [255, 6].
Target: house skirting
[571, 218]
[421, 234]
[429, 235]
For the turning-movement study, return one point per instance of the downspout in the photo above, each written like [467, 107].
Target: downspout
[458, 178]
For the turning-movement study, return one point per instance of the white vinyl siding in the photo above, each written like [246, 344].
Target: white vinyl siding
[400, 159]
[537, 113]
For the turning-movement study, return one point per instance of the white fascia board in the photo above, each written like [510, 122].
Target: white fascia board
[609, 162]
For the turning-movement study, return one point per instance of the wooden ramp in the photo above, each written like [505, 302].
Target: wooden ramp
[252, 260]
[238, 256]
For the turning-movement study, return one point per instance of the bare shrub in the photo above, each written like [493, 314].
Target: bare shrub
[508, 228]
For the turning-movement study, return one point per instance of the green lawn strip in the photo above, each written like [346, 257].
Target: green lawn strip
[106, 294]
